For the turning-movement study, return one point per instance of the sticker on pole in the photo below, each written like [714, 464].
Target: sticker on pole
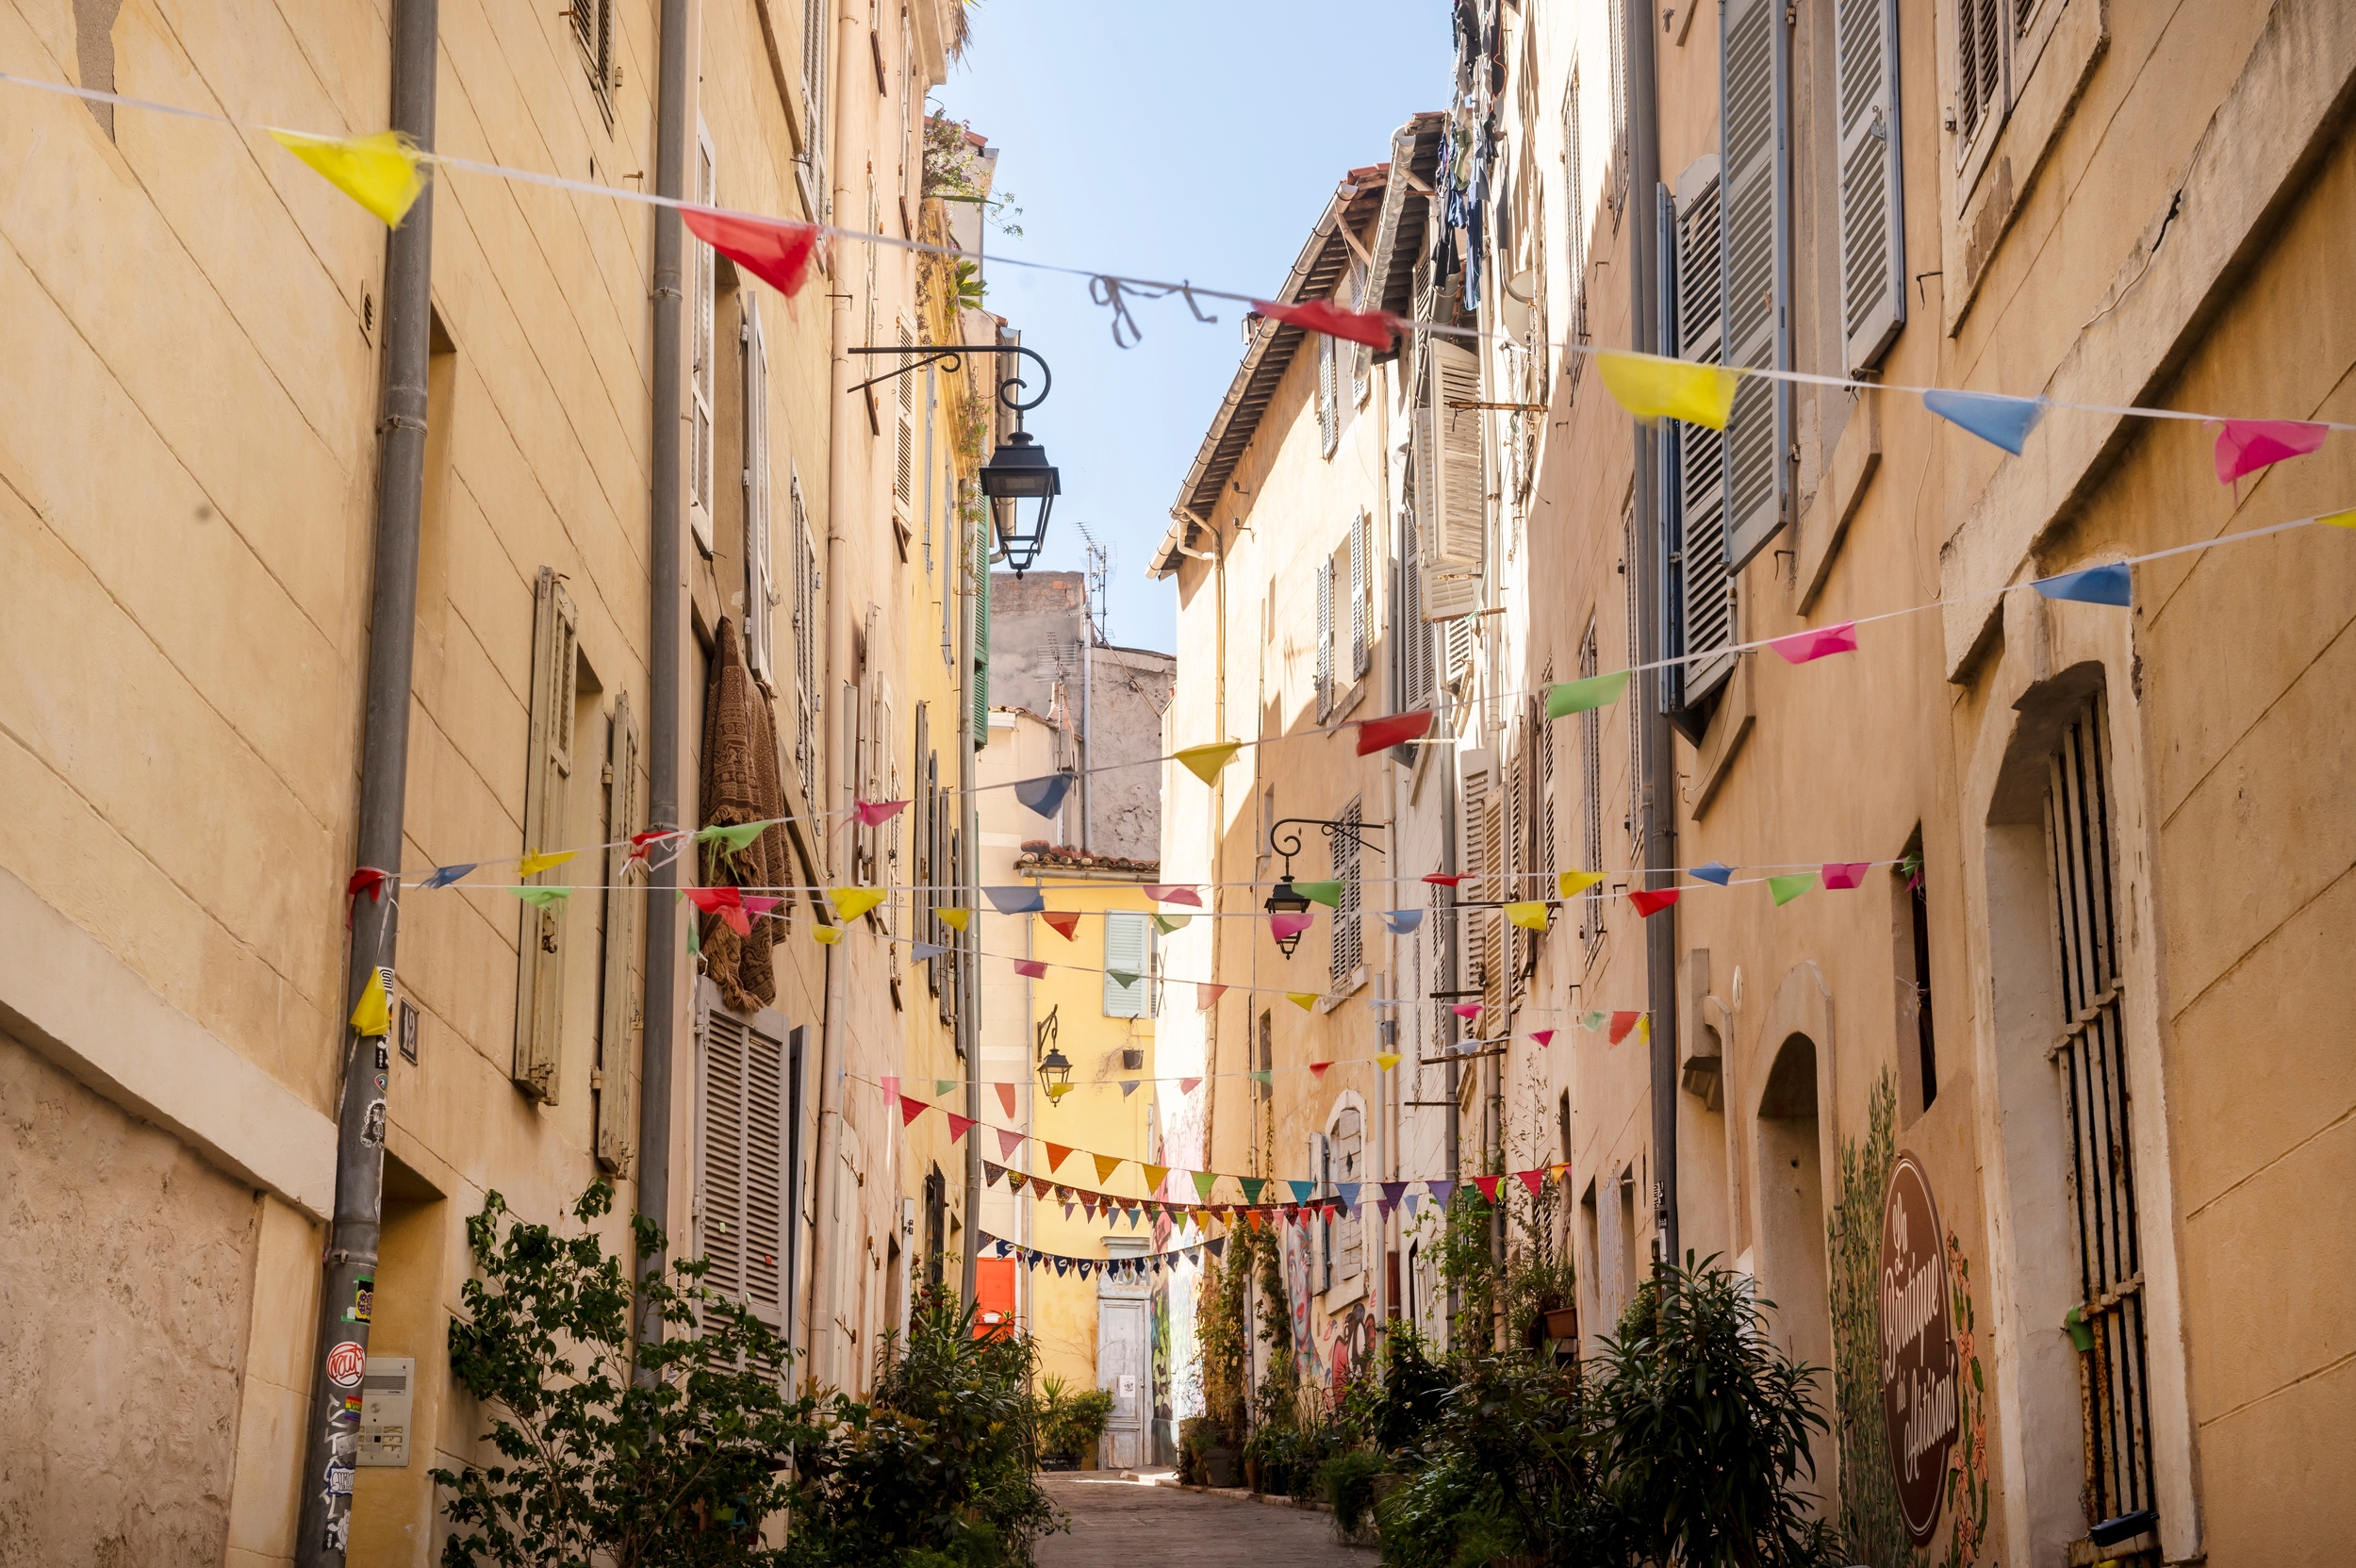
[345, 1363]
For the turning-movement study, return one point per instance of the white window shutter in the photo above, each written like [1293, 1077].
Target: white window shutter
[760, 552]
[1128, 947]
[1324, 637]
[547, 800]
[1708, 619]
[1872, 189]
[706, 285]
[1755, 74]
[1348, 1165]
[1460, 508]
[741, 1175]
[619, 1030]
[1361, 538]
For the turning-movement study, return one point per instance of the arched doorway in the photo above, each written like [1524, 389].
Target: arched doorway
[1790, 1185]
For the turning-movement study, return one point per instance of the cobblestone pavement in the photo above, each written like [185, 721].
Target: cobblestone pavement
[1120, 1523]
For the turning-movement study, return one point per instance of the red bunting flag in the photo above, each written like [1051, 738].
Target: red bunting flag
[1031, 969]
[1319, 1068]
[1377, 329]
[1376, 735]
[1066, 921]
[712, 898]
[1649, 902]
[1006, 1096]
[776, 252]
[1543, 1036]
[1188, 1085]
[1466, 1008]
[911, 1108]
[1533, 1179]
[959, 1126]
[368, 880]
[1621, 1023]
[641, 842]
[1445, 879]
[1489, 1185]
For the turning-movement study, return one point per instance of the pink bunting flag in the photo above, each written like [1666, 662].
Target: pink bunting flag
[911, 1108]
[1817, 642]
[1290, 925]
[1620, 1023]
[1377, 329]
[1543, 1036]
[776, 252]
[756, 905]
[1466, 1010]
[890, 1087]
[1534, 1180]
[874, 814]
[2244, 446]
[1188, 1085]
[1031, 969]
[1008, 1142]
[1006, 1096]
[1845, 874]
[1206, 993]
[1066, 921]
[959, 1126]
[1168, 894]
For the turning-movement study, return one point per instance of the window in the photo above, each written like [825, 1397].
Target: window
[1412, 634]
[1755, 135]
[808, 646]
[1539, 856]
[1635, 708]
[936, 1224]
[1451, 501]
[1483, 861]
[1981, 59]
[1592, 799]
[611, 1088]
[1914, 973]
[2090, 1058]
[1619, 25]
[1323, 1148]
[1128, 950]
[760, 573]
[547, 825]
[1576, 219]
[1872, 220]
[1361, 579]
[1702, 589]
[1328, 393]
[742, 1177]
[593, 31]
[706, 285]
[1325, 638]
[814, 105]
[1362, 355]
[1346, 1146]
[904, 438]
[1345, 953]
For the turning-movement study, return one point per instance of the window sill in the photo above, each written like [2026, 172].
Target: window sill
[1729, 727]
[1348, 701]
[1343, 1292]
[1855, 459]
[1334, 998]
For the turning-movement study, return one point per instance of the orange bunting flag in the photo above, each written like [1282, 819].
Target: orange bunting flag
[1006, 1096]
[1057, 1154]
[776, 252]
[1066, 921]
[1621, 1023]
[381, 173]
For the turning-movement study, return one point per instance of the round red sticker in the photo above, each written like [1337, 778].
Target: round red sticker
[345, 1363]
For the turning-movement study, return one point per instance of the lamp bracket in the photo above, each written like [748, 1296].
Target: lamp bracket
[950, 356]
[1289, 844]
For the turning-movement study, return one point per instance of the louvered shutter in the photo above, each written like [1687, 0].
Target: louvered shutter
[741, 1177]
[547, 800]
[1361, 540]
[1460, 511]
[1483, 829]
[1707, 622]
[981, 635]
[706, 285]
[760, 570]
[1324, 637]
[1345, 952]
[1128, 947]
[1328, 395]
[618, 1039]
[1349, 1147]
[904, 432]
[1754, 89]
[1979, 69]
[1872, 189]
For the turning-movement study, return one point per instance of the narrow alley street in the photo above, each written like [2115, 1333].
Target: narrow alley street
[1137, 1525]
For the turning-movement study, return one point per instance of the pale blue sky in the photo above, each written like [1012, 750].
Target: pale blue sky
[1196, 141]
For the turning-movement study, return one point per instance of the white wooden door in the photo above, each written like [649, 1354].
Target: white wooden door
[1122, 1367]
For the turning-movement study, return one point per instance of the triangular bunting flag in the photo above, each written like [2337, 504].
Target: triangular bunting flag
[992, 1174]
[1033, 968]
[1188, 1085]
[1790, 887]
[1374, 734]
[1620, 1023]
[1318, 1069]
[1153, 1174]
[1651, 901]
[540, 897]
[1006, 1096]
[1021, 899]
[1570, 696]
[1717, 871]
[959, 918]
[1999, 420]
[1301, 1190]
[852, 902]
[1044, 794]
[1170, 892]
[1204, 1181]
[1204, 762]
[1377, 329]
[1841, 876]
[372, 1013]
[1252, 1186]
[1106, 1165]
[1206, 993]
[959, 1126]
[1400, 922]
[444, 875]
[1529, 917]
[1057, 1154]
[1543, 1036]
[1534, 1180]
[1009, 1140]
[1305, 1001]
[536, 863]
[1652, 388]
[911, 1108]
[1386, 1060]
[1489, 1185]
[1571, 884]
[1817, 643]
[1129, 1086]
[773, 249]
[2110, 584]
[2244, 446]
[1066, 921]
[874, 814]
[382, 172]
[1327, 893]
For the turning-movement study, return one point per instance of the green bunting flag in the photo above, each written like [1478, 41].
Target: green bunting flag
[1787, 888]
[1565, 698]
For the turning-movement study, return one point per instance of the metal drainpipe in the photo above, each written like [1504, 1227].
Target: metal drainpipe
[1660, 820]
[666, 590]
[331, 1446]
[824, 1242]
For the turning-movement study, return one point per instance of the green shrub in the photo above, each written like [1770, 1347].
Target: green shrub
[1071, 1420]
[1347, 1482]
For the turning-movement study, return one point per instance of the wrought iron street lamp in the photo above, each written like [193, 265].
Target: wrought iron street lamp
[1285, 899]
[1018, 470]
[1055, 1069]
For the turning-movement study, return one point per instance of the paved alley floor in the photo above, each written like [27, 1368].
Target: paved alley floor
[1118, 1524]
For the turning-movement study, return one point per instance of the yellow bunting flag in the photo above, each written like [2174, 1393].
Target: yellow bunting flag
[1057, 1090]
[1529, 917]
[536, 863]
[961, 918]
[1652, 388]
[1387, 1060]
[1153, 1176]
[1106, 1165]
[852, 902]
[374, 1014]
[1302, 999]
[2340, 520]
[1645, 1029]
[1204, 762]
[1572, 884]
[381, 173]
[827, 935]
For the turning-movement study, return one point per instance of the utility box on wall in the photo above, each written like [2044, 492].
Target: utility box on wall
[386, 1391]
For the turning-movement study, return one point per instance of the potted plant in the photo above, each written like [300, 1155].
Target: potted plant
[1070, 1422]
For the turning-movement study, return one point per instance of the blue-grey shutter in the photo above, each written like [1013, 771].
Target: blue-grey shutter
[1706, 599]
[1872, 189]
[1754, 65]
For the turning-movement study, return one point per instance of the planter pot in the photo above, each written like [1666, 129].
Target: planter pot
[1219, 1467]
[1563, 1323]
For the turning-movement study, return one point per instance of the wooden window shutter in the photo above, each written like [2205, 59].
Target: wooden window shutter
[1483, 826]
[742, 1177]
[1345, 950]
[1872, 189]
[904, 431]
[1979, 70]
[1707, 616]
[1461, 515]
[1361, 578]
[1328, 395]
[706, 286]
[1324, 637]
[1753, 137]
[1635, 710]
[547, 821]
[760, 571]
[1128, 947]
[619, 1025]
[1590, 794]
[808, 643]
